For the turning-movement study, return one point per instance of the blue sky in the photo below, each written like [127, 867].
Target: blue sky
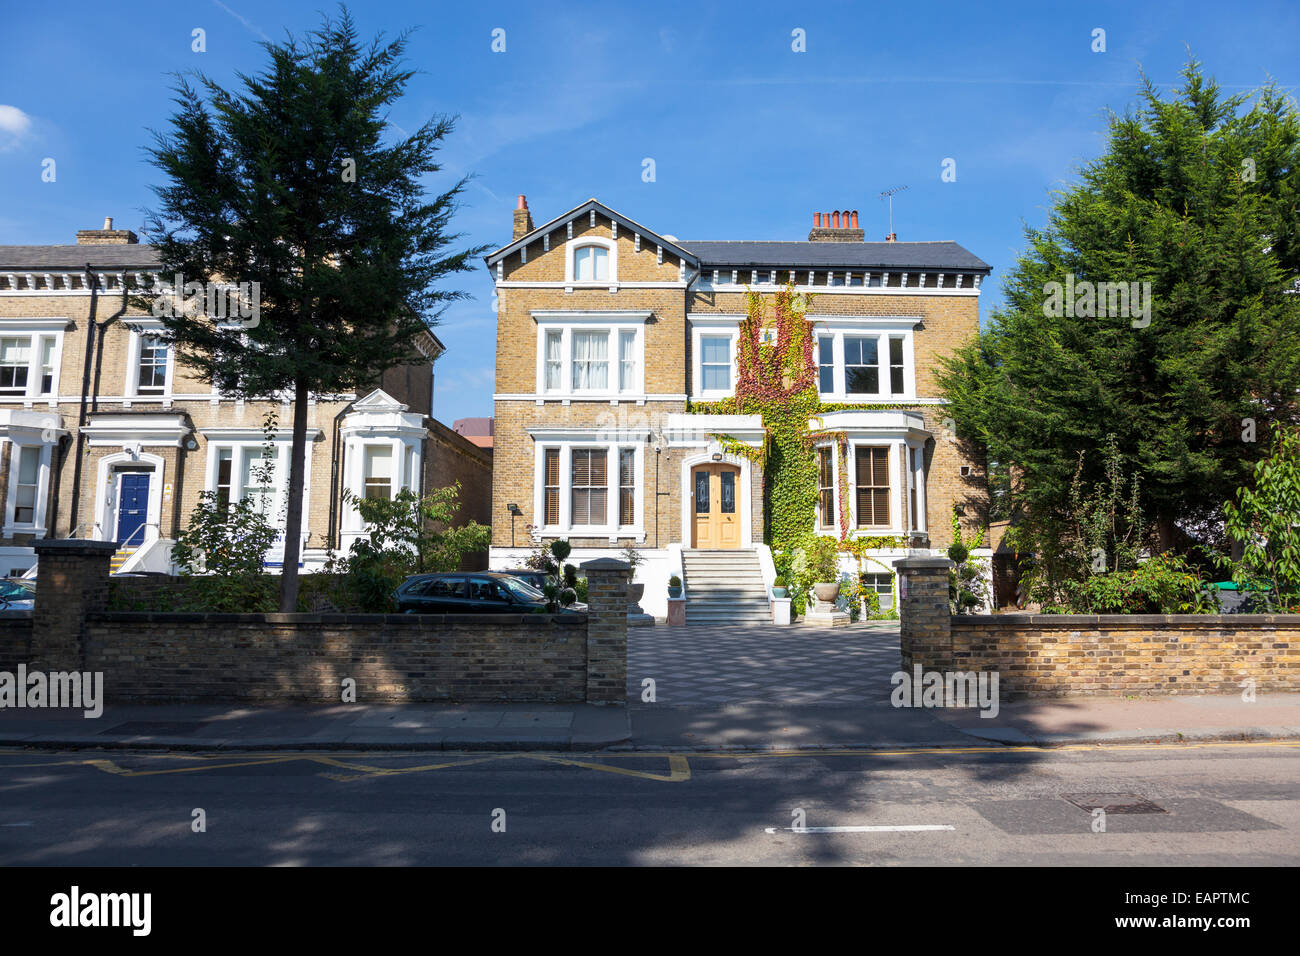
[749, 138]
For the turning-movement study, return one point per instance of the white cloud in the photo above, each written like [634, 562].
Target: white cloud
[14, 126]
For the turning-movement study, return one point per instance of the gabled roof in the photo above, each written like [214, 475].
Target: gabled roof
[100, 256]
[853, 255]
[669, 245]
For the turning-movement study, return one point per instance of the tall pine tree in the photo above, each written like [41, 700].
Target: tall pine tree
[1196, 194]
[297, 182]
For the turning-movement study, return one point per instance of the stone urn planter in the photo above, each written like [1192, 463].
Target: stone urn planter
[826, 594]
[634, 594]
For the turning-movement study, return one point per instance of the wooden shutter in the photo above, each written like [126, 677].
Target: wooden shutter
[552, 487]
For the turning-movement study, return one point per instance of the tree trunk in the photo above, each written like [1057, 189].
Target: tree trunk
[1165, 533]
[293, 511]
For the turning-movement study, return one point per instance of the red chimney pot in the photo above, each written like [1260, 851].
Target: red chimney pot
[817, 220]
[523, 203]
[855, 219]
[836, 218]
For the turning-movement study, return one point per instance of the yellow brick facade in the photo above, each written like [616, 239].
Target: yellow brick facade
[538, 279]
[75, 497]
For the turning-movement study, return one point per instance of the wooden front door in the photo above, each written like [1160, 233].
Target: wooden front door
[716, 521]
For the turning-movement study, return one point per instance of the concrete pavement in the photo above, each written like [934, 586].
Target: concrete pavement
[689, 688]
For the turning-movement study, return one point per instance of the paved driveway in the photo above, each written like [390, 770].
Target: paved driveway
[800, 664]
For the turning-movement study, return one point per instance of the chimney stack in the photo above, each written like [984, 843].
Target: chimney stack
[838, 226]
[108, 236]
[523, 219]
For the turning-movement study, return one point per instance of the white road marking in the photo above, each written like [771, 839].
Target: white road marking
[906, 829]
[27, 824]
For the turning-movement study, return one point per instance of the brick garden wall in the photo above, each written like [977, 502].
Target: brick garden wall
[1081, 655]
[156, 656]
[15, 639]
[305, 657]
[1087, 655]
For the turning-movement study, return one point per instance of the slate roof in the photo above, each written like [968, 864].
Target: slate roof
[107, 256]
[823, 255]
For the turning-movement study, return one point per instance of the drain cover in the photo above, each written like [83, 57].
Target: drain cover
[1113, 802]
[156, 728]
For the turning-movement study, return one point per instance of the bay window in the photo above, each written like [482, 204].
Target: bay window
[378, 472]
[873, 491]
[589, 487]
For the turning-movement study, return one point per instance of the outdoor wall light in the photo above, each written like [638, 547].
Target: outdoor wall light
[717, 456]
[191, 445]
[513, 509]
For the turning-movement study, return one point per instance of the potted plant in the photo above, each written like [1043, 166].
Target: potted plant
[674, 587]
[778, 587]
[823, 564]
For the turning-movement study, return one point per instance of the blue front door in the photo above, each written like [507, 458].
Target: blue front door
[132, 508]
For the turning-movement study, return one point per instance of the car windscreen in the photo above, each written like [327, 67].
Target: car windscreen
[521, 589]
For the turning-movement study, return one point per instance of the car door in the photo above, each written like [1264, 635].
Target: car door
[447, 595]
[414, 596]
[487, 596]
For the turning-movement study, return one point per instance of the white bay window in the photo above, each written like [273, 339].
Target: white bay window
[586, 486]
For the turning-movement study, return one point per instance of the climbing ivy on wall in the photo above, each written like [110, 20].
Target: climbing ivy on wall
[777, 380]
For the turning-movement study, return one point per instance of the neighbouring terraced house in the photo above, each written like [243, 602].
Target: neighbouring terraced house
[104, 435]
[608, 333]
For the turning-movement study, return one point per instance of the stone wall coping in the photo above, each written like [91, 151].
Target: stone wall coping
[907, 564]
[605, 564]
[1074, 621]
[73, 546]
[425, 621]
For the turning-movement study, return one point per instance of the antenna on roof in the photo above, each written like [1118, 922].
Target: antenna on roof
[889, 194]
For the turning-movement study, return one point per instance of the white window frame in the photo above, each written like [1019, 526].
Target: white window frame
[39, 512]
[610, 528]
[141, 331]
[712, 326]
[571, 263]
[240, 450]
[35, 331]
[613, 325]
[834, 527]
[883, 331]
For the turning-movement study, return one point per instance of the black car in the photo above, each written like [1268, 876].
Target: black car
[536, 578]
[481, 592]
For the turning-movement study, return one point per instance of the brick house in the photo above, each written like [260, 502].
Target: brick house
[106, 436]
[605, 331]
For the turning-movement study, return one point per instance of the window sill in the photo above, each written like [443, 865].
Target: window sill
[10, 530]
